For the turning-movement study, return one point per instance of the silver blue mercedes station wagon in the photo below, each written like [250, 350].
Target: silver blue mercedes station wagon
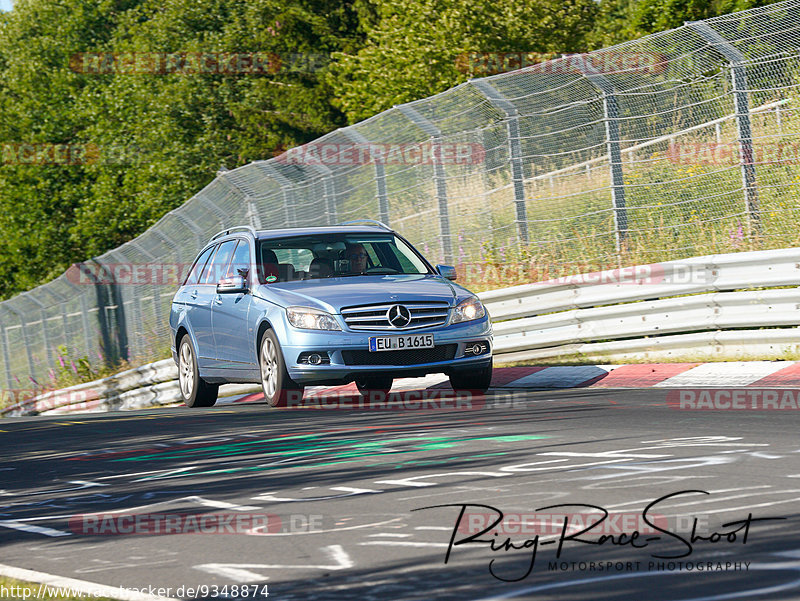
[323, 306]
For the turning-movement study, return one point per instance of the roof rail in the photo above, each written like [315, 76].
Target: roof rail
[369, 221]
[237, 228]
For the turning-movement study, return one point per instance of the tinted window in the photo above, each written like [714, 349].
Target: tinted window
[197, 268]
[219, 264]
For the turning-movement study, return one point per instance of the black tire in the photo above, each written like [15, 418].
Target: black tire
[275, 380]
[195, 391]
[372, 386]
[475, 379]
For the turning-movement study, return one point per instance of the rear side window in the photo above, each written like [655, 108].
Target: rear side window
[216, 268]
[197, 268]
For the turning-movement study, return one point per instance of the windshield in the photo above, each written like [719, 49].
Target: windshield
[311, 257]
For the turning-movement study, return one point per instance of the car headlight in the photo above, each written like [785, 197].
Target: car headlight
[469, 309]
[307, 318]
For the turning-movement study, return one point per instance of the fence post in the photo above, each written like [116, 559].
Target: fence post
[380, 173]
[87, 331]
[438, 176]
[741, 104]
[611, 119]
[496, 99]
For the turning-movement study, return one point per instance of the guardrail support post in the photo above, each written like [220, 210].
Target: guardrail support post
[501, 103]
[611, 118]
[741, 103]
[380, 173]
[438, 177]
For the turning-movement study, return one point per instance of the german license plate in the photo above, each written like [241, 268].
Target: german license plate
[397, 343]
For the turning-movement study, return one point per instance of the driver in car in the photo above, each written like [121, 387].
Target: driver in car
[358, 258]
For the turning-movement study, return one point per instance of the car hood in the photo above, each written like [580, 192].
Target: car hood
[331, 294]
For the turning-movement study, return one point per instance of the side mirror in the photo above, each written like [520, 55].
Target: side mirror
[231, 285]
[447, 271]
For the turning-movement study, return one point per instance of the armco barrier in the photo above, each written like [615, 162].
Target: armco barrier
[708, 305]
[711, 306]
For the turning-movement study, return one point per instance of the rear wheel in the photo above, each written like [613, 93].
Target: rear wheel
[275, 380]
[374, 386]
[474, 379]
[195, 391]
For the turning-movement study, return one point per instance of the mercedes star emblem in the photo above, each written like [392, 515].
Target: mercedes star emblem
[399, 316]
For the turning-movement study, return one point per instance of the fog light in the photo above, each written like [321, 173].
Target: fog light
[314, 358]
[475, 348]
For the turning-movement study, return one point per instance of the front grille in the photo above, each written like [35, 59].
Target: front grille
[373, 317]
[444, 352]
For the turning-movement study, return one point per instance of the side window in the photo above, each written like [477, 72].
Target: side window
[219, 263]
[197, 268]
[240, 264]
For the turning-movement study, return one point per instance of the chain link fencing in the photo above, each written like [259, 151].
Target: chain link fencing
[679, 144]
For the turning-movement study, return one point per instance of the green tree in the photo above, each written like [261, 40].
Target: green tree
[415, 48]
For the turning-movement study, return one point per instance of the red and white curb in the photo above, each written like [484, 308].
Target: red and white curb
[760, 374]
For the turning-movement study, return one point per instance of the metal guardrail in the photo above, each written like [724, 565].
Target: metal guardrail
[660, 310]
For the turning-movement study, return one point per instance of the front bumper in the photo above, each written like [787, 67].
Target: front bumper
[333, 344]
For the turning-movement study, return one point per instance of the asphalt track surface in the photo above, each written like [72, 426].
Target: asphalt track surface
[343, 492]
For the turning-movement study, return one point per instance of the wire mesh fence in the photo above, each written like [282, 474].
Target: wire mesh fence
[679, 144]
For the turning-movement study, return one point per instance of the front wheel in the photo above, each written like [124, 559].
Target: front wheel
[374, 386]
[195, 391]
[474, 379]
[275, 380]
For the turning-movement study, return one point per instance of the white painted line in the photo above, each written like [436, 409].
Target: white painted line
[33, 529]
[732, 374]
[221, 504]
[608, 454]
[561, 376]
[403, 543]
[242, 572]
[390, 534]
[260, 530]
[433, 528]
[89, 589]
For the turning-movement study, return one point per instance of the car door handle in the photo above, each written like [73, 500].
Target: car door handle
[193, 295]
[218, 300]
